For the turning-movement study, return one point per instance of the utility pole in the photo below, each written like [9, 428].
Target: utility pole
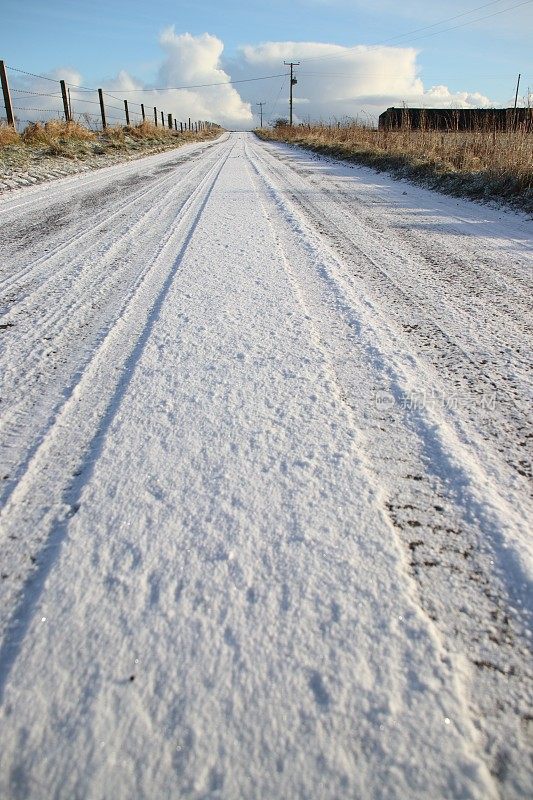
[516, 95]
[261, 111]
[291, 64]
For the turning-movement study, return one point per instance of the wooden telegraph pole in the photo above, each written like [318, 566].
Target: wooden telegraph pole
[261, 111]
[516, 94]
[291, 64]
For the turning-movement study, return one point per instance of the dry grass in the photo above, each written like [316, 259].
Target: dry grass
[486, 163]
[8, 135]
[147, 130]
[55, 131]
[71, 140]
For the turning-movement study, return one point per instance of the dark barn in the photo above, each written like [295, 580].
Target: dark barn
[456, 119]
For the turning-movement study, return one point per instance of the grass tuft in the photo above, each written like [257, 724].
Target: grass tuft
[8, 135]
[53, 131]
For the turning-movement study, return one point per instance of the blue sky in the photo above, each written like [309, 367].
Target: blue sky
[100, 39]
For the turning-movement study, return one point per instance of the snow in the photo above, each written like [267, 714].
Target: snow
[250, 546]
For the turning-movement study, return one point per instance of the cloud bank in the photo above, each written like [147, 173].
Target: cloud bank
[333, 82]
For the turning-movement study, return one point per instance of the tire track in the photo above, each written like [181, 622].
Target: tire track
[494, 382]
[43, 192]
[61, 324]
[447, 550]
[66, 455]
[15, 281]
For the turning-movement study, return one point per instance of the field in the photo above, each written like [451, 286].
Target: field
[480, 163]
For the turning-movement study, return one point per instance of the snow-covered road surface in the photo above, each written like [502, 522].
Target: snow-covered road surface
[266, 445]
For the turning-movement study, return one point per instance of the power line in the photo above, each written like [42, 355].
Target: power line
[345, 54]
[448, 19]
[448, 76]
[277, 99]
[478, 19]
[151, 88]
[202, 85]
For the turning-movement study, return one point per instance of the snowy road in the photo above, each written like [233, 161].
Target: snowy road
[266, 466]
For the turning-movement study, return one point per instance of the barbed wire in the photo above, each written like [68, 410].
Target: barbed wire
[21, 94]
[24, 92]
[33, 74]
[44, 110]
[52, 80]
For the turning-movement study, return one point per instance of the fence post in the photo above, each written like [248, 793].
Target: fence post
[127, 112]
[175, 124]
[181, 127]
[155, 116]
[169, 120]
[65, 100]
[7, 96]
[162, 120]
[142, 112]
[102, 108]
[189, 123]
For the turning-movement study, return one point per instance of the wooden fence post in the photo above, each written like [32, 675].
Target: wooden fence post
[102, 108]
[175, 124]
[10, 117]
[162, 120]
[65, 100]
[142, 112]
[127, 112]
[189, 123]
[181, 127]
[155, 116]
[169, 120]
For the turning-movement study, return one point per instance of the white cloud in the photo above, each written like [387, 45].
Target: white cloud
[336, 81]
[190, 61]
[187, 60]
[333, 82]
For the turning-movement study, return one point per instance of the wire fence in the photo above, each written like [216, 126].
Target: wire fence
[71, 102]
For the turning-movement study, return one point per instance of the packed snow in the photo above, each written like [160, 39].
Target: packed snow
[266, 461]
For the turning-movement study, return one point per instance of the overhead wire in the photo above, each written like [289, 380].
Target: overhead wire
[346, 50]
[203, 85]
[277, 99]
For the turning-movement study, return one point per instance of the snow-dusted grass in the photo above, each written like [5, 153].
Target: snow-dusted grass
[61, 147]
[479, 163]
